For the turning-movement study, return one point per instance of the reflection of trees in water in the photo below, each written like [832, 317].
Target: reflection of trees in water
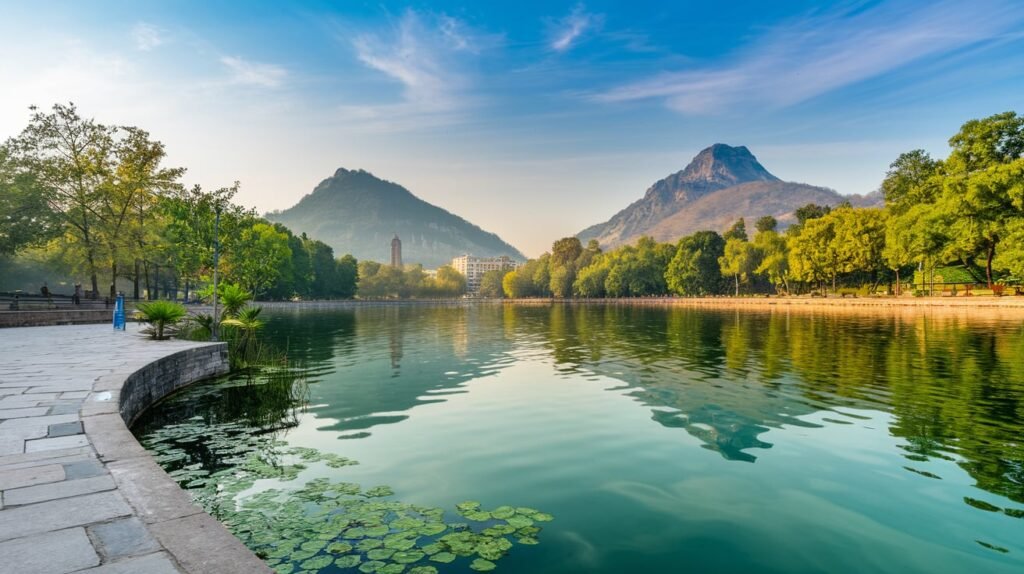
[393, 358]
[269, 401]
[956, 387]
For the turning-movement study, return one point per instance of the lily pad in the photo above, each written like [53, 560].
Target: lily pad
[423, 570]
[350, 561]
[443, 557]
[371, 566]
[408, 556]
[340, 548]
[318, 562]
[481, 565]
[380, 554]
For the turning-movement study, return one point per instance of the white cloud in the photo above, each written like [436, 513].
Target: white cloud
[254, 73]
[569, 29]
[823, 52]
[426, 55]
[147, 36]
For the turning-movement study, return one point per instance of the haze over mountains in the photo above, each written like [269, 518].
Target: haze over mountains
[355, 212]
[721, 184]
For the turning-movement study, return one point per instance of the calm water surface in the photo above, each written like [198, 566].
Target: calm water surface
[672, 439]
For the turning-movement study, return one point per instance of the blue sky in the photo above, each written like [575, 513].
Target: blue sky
[531, 119]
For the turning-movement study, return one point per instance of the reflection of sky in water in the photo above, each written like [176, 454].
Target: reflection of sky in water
[782, 444]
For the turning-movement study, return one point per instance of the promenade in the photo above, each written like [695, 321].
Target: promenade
[77, 492]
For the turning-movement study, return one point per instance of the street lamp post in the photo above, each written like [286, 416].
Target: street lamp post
[216, 258]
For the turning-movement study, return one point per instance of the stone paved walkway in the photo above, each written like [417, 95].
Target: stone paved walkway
[77, 494]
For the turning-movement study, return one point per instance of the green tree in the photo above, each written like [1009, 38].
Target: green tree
[25, 217]
[766, 223]
[694, 269]
[347, 275]
[911, 180]
[491, 284]
[738, 260]
[984, 185]
[737, 231]
[810, 211]
[259, 258]
[773, 254]
[449, 282]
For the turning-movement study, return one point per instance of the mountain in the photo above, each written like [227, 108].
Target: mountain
[721, 184]
[358, 213]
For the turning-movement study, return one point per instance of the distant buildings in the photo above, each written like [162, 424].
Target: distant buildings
[396, 252]
[473, 268]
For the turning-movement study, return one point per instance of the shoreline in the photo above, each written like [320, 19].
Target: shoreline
[1009, 303]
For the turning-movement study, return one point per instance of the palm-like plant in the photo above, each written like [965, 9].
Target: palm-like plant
[162, 316]
[233, 297]
[245, 324]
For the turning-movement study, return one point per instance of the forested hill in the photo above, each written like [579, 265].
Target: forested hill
[721, 184]
[355, 212]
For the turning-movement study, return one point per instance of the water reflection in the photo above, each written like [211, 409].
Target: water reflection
[951, 386]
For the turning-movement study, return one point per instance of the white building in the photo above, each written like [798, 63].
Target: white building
[473, 268]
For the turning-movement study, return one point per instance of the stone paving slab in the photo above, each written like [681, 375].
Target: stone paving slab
[77, 491]
[49, 553]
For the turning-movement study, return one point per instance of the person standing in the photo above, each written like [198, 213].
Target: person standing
[76, 299]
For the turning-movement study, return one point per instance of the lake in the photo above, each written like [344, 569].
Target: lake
[611, 439]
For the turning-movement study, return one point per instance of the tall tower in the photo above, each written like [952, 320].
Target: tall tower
[396, 252]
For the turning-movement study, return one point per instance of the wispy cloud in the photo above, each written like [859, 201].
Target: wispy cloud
[147, 36]
[817, 54]
[254, 73]
[566, 31]
[426, 55]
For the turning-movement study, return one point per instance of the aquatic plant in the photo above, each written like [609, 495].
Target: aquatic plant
[326, 524]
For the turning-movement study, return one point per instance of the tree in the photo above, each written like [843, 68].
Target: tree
[188, 233]
[773, 255]
[25, 217]
[737, 231]
[738, 260]
[259, 258]
[812, 251]
[694, 269]
[860, 239]
[810, 211]
[911, 180]
[491, 283]
[591, 279]
[984, 185]
[766, 223]
[98, 181]
[517, 284]
[71, 158]
[347, 278]
[450, 282]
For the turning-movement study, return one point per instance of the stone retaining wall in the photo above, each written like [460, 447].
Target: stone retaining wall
[160, 378]
[41, 317]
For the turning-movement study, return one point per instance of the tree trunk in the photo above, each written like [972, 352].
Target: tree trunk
[135, 282]
[156, 283]
[737, 284]
[897, 290]
[988, 264]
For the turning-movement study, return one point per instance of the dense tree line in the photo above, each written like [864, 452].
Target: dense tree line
[966, 210]
[97, 201]
[381, 281]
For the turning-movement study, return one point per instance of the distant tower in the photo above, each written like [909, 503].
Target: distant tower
[396, 252]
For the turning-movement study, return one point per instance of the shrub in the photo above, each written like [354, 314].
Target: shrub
[162, 317]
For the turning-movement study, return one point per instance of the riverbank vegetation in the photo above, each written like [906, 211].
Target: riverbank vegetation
[84, 199]
[957, 220]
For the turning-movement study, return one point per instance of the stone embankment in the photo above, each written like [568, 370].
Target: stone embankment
[77, 491]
